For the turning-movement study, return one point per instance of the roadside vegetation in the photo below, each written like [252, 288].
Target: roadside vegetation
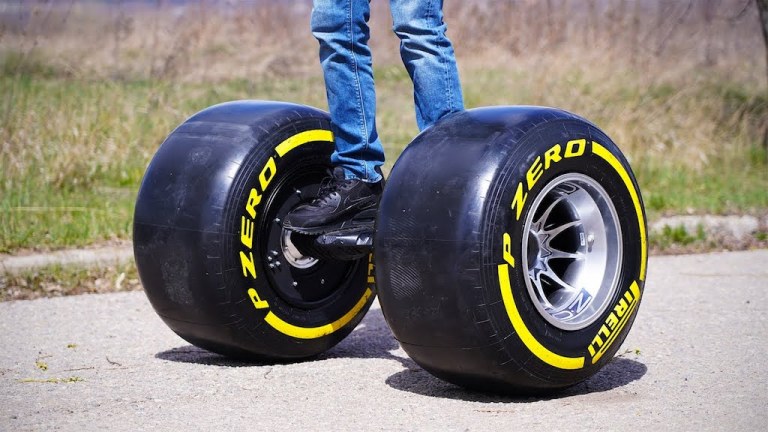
[89, 91]
[57, 280]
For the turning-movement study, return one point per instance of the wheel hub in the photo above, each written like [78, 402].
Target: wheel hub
[572, 251]
[292, 254]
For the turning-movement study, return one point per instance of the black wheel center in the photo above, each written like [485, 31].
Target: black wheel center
[300, 276]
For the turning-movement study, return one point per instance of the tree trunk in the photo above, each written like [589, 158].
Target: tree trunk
[762, 7]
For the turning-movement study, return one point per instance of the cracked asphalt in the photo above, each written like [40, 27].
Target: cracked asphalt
[694, 360]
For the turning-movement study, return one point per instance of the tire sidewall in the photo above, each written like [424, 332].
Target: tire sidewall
[252, 289]
[502, 217]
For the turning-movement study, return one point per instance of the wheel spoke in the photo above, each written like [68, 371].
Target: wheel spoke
[555, 231]
[535, 277]
[557, 253]
[556, 279]
[545, 216]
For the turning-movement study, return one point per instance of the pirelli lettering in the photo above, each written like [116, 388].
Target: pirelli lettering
[614, 323]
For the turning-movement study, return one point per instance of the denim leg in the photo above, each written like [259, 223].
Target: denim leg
[341, 27]
[429, 58]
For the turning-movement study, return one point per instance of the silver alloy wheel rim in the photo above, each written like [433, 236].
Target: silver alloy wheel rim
[572, 251]
[292, 255]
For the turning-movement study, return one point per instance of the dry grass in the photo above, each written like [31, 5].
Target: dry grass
[208, 39]
[57, 281]
[89, 91]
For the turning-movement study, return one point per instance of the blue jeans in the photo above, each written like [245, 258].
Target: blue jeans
[341, 27]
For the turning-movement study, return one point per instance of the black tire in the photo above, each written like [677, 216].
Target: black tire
[464, 205]
[209, 245]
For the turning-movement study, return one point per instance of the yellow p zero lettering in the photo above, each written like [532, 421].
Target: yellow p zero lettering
[508, 250]
[246, 232]
[257, 301]
[254, 199]
[552, 155]
[247, 227]
[248, 264]
[534, 172]
[267, 173]
[611, 159]
[519, 200]
[575, 148]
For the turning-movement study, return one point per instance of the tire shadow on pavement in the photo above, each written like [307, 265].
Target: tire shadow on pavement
[619, 372]
[373, 339]
[193, 354]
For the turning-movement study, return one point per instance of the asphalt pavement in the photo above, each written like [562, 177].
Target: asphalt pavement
[694, 360]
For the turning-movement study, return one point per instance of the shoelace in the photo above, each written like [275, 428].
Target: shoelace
[328, 186]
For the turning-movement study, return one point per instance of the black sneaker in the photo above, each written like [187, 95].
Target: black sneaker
[341, 203]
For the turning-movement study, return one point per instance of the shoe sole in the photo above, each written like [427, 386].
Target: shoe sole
[363, 220]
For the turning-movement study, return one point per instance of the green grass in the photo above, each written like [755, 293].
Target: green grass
[74, 150]
[727, 185]
[678, 235]
[38, 217]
